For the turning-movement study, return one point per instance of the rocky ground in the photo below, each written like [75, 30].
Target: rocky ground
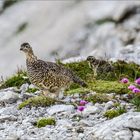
[71, 124]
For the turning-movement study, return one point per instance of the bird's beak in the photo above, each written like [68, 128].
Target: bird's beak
[21, 49]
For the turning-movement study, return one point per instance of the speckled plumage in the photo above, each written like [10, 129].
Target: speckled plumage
[48, 75]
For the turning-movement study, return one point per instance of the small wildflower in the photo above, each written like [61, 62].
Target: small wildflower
[80, 108]
[124, 80]
[136, 90]
[137, 81]
[83, 102]
[131, 87]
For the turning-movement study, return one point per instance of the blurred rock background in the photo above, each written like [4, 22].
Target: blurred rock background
[68, 29]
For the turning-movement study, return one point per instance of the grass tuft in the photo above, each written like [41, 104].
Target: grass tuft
[37, 101]
[114, 112]
[16, 80]
[45, 121]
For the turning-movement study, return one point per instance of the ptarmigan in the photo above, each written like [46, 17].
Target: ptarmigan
[48, 76]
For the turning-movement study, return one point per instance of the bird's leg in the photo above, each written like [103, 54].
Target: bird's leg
[48, 94]
[61, 93]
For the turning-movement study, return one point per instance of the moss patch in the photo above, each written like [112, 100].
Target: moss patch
[101, 86]
[114, 112]
[37, 101]
[81, 69]
[45, 121]
[124, 69]
[98, 98]
[31, 90]
[77, 90]
[16, 80]
[120, 69]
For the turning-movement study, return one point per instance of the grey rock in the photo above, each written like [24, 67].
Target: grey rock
[136, 135]
[81, 135]
[9, 97]
[91, 110]
[85, 123]
[118, 128]
[123, 135]
[7, 118]
[60, 108]
[24, 87]
[108, 105]
[27, 95]
[13, 137]
[32, 86]
[9, 111]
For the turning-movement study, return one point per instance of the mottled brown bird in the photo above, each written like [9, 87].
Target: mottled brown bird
[48, 76]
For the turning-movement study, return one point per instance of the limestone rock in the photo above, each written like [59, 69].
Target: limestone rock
[9, 97]
[121, 127]
[60, 108]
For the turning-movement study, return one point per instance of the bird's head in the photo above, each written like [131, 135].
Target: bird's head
[91, 58]
[26, 48]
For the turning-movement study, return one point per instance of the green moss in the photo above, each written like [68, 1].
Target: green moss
[81, 69]
[120, 69]
[101, 86]
[31, 90]
[136, 101]
[16, 80]
[37, 101]
[124, 69]
[45, 121]
[98, 98]
[77, 90]
[114, 112]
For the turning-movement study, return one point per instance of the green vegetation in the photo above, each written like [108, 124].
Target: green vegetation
[101, 86]
[128, 70]
[121, 69]
[77, 90]
[98, 98]
[31, 90]
[81, 69]
[45, 121]
[16, 80]
[37, 101]
[114, 112]
[117, 104]
[136, 101]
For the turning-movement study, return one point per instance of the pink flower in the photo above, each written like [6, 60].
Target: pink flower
[83, 102]
[131, 87]
[136, 90]
[124, 80]
[80, 108]
[137, 81]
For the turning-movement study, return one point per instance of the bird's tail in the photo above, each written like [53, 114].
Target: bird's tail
[79, 81]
